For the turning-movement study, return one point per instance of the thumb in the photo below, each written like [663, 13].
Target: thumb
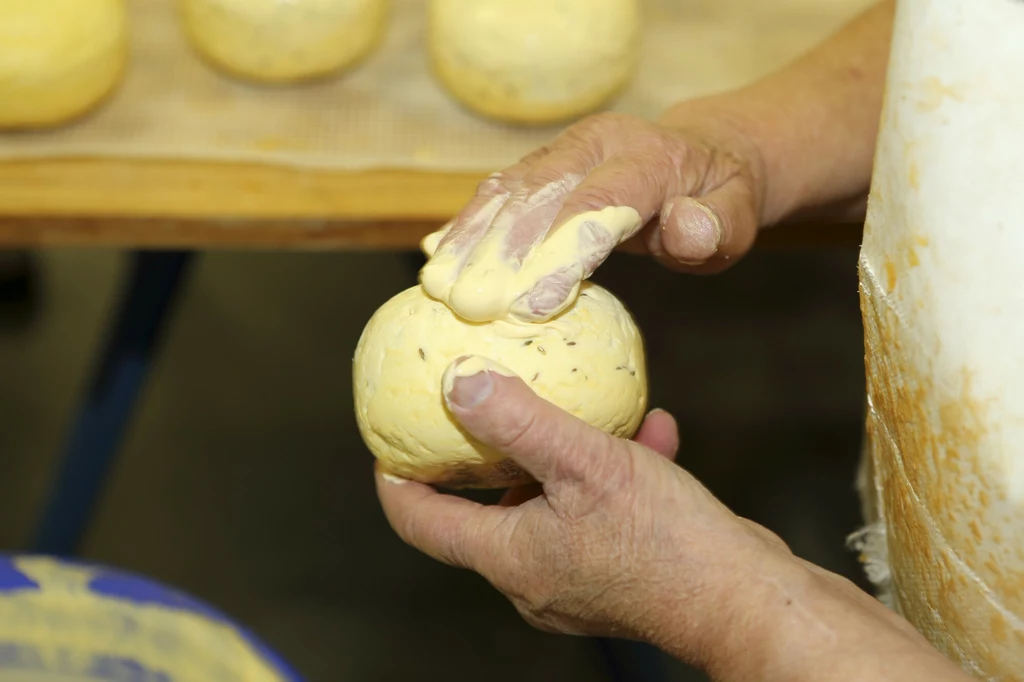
[499, 410]
[709, 233]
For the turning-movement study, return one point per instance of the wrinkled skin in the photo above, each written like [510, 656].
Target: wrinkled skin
[696, 188]
[618, 540]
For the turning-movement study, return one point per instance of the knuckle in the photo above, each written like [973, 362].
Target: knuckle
[514, 567]
[548, 174]
[587, 126]
[435, 536]
[617, 129]
[606, 121]
[640, 178]
[576, 462]
[653, 165]
[675, 160]
[593, 197]
[495, 184]
[535, 155]
[534, 621]
[541, 607]
[546, 589]
[452, 546]
[588, 134]
[512, 434]
[613, 471]
[410, 529]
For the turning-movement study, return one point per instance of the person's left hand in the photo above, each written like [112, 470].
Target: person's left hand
[614, 540]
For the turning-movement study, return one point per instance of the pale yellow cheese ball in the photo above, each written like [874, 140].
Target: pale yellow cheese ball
[283, 41]
[589, 361]
[534, 62]
[59, 59]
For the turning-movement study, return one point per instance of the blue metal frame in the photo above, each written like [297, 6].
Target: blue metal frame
[101, 419]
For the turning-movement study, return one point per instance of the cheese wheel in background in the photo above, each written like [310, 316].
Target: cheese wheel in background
[68, 621]
[533, 61]
[588, 361]
[281, 41]
[943, 304]
[58, 58]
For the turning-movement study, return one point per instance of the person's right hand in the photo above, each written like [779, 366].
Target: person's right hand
[615, 539]
[689, 188]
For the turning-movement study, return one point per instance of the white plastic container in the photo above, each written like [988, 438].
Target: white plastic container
[942, 287]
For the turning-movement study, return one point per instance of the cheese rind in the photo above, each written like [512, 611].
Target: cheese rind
[589, 361]
[59, 59]
[534, 61]
[281, 41]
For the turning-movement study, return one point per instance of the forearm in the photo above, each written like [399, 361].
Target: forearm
[794, 622]
[814, 122]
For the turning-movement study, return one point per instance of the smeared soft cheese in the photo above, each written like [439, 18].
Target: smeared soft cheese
[284, 40]
[58, 58]
[489, 286]
[588, 361]
[534, 61]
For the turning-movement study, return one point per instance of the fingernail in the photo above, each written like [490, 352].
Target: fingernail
[395, 480]
[549, 297]
[654, 242]
[469, 381]
[468, 392]
[699, 233]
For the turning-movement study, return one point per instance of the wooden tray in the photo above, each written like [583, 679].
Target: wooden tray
[381, 143]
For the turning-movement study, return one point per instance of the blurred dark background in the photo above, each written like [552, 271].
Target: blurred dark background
[244, 480]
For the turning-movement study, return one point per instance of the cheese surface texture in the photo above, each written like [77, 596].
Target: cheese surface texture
[533, 61]
[278, 41]
[58, 58]
[589, 361]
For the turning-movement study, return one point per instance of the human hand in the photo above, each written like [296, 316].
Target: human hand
[617, 540]
[688, 188]
[614, 539]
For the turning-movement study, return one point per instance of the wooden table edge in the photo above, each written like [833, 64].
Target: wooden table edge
[300, 234]
[209, 205]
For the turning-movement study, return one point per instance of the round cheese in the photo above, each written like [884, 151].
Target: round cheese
[588, 361]
[279, 41]
[58, 58]
[534, 61]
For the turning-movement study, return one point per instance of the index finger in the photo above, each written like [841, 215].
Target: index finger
[452, 530]
[472, 222]
[511, 211]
